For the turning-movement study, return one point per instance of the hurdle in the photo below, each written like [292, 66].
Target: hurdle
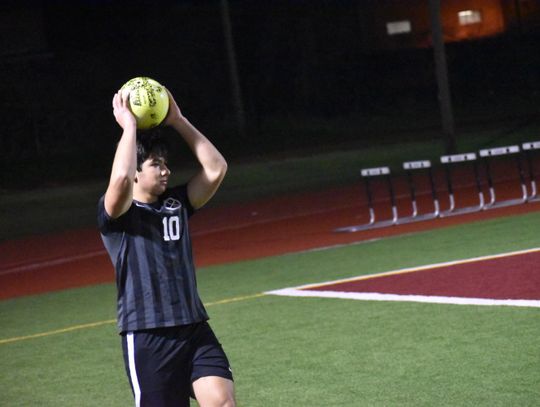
[487, 155]
[528, 148]
[409, 167]
[367, 174]
[448, 161]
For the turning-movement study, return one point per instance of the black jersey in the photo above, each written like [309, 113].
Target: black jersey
[150, 248]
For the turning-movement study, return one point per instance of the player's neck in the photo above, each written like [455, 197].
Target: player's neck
[144, 196]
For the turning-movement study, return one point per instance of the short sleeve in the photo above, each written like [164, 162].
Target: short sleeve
[105, 223]
[180, 193]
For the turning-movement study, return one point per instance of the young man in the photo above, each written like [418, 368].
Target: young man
[170, 351]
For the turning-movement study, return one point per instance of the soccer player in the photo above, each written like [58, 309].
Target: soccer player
[170, 351]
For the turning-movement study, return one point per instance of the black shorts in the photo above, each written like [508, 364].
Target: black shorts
[162, 363]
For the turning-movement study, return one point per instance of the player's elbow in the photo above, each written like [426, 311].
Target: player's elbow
[218, 172]
[223, 169]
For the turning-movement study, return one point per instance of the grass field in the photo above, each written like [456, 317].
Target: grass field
[61, 348]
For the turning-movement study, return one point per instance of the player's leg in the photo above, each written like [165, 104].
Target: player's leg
[211, 376]
[155, 380]
[214, 391]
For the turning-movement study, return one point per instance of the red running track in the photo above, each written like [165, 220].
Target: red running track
[225, 234]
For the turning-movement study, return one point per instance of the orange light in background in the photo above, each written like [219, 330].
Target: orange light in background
[472, 19]
[467, 17]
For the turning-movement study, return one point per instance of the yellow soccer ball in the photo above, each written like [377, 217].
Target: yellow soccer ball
[148, 101]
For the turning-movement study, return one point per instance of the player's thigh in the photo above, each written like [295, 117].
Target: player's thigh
[155, 363]
[214, 391]
[211, 375]
[209, 358]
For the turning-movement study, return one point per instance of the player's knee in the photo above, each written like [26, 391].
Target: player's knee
[227, 402]
[214, 392]
[221, 401]
[225, 399]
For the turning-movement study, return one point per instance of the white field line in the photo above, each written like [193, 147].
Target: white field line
[302, 291]
[291, 292]
[420, 268]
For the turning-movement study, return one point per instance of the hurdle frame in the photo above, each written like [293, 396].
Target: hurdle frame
[409, 166]
[367, 174]
[528, 148]
[517, 152]
[489, 153]
[449, 160]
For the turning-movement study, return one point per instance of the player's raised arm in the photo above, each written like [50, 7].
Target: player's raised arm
[119, 195]
[205, 183]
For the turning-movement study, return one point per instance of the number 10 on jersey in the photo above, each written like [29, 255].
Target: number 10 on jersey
[171, 228]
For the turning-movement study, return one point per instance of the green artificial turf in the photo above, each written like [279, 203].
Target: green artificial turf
[301, 351]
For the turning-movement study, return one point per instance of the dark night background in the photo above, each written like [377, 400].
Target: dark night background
[312, 77]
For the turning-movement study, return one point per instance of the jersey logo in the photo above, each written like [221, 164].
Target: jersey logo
[172, 204]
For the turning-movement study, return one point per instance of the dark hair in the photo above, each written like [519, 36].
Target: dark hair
[150, 143]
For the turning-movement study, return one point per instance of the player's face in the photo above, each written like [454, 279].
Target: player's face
[154, 175]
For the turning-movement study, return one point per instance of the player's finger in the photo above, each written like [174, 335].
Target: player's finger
[124, 94]
[115, 100]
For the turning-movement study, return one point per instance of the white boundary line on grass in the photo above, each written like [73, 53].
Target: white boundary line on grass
[291, 292]
[301, 291]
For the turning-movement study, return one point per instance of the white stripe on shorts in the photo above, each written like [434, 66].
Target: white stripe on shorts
[132, 371]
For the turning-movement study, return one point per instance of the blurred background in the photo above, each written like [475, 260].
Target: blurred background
[259, 78]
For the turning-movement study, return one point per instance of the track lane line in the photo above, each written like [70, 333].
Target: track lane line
[35, 265]
[48, 263]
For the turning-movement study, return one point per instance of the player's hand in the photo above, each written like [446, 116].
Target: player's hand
[122, 113]
[174, 113]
